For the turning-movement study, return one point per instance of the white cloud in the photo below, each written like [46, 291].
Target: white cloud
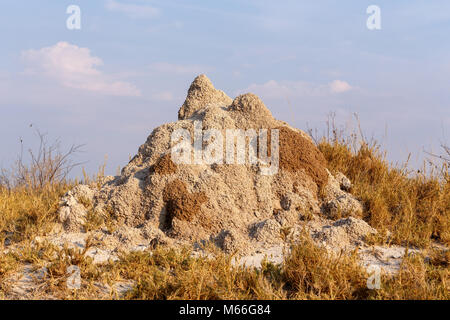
[170, 68]
[339, 86]
[133, 10]
[75, 67]
[287, 89]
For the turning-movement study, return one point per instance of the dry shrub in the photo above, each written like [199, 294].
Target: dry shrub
[444, 157]
[47, 166]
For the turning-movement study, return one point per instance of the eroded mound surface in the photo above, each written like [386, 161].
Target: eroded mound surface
[299, 154]
[234, 205]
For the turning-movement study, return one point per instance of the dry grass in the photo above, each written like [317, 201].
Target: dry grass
[417, 280]
[308, 272]
[28, 212]
[171, 274]
[31, 190]
[415, 208]
[312, 273]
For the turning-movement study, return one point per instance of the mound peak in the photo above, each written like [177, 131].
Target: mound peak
[200, 93]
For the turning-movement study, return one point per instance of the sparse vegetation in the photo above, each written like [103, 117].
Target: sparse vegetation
[413, 207]
[46, 167]
[308, 272]
[30, 191]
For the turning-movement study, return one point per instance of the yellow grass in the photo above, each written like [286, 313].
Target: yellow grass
[414, 208]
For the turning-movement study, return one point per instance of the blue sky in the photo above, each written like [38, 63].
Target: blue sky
[128, 69]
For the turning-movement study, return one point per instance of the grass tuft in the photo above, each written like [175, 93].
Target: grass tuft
[414, 207]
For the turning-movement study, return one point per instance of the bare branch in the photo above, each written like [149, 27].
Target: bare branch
[46, 166]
